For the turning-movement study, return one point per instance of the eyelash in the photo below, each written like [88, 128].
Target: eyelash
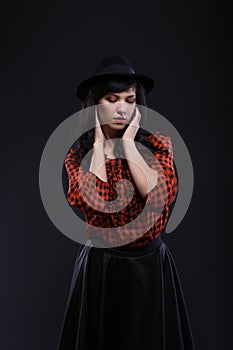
[116, 100]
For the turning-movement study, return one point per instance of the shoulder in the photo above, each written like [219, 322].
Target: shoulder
[160, 141]
[72, 156]
[73, 151]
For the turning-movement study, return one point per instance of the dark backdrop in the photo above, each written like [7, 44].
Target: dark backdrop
[46, 49]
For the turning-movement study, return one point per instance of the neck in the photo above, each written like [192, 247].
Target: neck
[110, 133]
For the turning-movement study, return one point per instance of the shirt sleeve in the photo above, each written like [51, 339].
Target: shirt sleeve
[86, 190]
[162, 160]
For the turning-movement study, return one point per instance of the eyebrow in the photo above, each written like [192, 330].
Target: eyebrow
[114, 94]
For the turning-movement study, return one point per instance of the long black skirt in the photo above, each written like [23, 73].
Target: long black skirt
[125, 298]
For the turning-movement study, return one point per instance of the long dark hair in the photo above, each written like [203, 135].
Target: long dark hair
[117, 84]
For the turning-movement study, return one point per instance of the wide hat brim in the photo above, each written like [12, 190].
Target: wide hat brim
[84, 87]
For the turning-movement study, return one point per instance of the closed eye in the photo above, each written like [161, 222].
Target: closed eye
[111, 101]
[128, 101]
[131, 101]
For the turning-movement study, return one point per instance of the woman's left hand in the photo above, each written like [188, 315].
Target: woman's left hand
[133, 127]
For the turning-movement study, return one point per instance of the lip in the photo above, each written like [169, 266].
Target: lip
[119, 119]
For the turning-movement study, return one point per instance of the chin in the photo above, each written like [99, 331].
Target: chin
[118, 126]
[116, 129]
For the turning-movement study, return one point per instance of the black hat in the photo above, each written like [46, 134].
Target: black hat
[109, 67]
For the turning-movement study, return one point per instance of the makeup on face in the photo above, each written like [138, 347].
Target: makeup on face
[117, 107]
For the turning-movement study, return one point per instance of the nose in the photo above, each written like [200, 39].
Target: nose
[121, 107]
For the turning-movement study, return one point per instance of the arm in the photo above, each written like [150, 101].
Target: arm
[85, 188]
[90, 189]
[97, 166]
[157, 182]
[163, 162]
[145, 178]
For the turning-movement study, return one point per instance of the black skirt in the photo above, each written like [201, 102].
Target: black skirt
[125, 298]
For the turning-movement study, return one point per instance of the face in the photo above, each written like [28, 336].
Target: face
[116, 110]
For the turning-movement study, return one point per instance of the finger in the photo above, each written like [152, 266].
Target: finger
[136, 118]
[138, 114]
[96, 118]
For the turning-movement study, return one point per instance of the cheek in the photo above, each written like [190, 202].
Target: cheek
[106, 111]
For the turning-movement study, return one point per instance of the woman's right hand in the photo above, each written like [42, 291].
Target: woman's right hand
[98, 159]
[99, 135]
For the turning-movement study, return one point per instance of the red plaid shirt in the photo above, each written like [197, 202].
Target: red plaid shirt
[88, 193]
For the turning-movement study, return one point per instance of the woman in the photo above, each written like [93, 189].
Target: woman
[125, 291]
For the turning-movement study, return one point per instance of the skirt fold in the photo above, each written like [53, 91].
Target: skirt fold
[176, 315]
[125, 298]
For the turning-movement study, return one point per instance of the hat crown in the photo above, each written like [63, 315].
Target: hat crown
[113, 64]
[109, 67]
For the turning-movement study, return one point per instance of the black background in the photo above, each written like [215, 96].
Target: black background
[46, 49]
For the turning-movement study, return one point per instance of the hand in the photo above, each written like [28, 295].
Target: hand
[99, 136]
[132, 129]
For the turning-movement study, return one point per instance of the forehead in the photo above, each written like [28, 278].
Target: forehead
[130, 91]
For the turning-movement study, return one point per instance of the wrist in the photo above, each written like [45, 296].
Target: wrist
[127, 138]
[126, 142]
[98, 144]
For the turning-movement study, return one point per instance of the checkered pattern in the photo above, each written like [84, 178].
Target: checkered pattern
[108, 205]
